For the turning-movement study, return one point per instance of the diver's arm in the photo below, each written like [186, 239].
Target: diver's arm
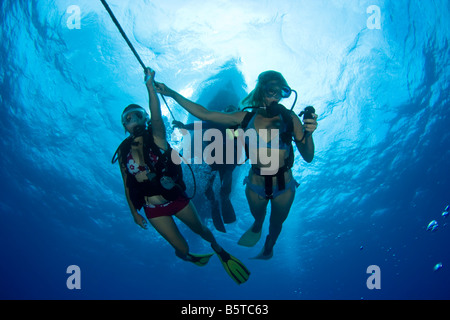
[140, 220]
[158, 127]
[303, 137]
[306, 148]
[228, 119]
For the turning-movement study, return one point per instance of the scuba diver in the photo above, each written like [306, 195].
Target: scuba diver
[222, 212]
[154, 182]
[279, 186]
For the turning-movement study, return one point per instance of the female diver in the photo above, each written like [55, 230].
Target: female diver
[154, 182]
[262, 187]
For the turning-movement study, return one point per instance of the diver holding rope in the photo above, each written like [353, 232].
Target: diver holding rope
[155, 183]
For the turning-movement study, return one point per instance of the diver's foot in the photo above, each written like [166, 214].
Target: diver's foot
[267, 251]
[200, 260]
[263, 255]
[250, 238]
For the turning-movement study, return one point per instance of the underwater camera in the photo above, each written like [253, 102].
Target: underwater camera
[307, 113]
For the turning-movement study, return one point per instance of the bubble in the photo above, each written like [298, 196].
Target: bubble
[432, 226]
[437, 266]
[445, 213]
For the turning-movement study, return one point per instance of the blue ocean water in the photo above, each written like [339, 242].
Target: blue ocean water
[377, 76]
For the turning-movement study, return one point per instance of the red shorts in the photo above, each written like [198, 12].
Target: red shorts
[167, 209]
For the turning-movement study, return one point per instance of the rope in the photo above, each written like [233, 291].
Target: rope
[130, 45]
[124, 35]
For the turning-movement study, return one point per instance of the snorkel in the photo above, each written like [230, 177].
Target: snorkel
[275, 108]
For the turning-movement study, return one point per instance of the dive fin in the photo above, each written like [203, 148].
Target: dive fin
[234, 267]
[200, 259]
[249, 238]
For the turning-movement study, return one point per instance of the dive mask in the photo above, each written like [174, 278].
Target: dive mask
[138, 115]
[274, 91]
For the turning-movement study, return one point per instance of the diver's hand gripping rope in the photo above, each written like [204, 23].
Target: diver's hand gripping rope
[130, 45]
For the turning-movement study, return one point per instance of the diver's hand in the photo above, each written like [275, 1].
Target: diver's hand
[140, 220]
[149, 76]
[178, 124]
[310, 125]
[161, 88]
